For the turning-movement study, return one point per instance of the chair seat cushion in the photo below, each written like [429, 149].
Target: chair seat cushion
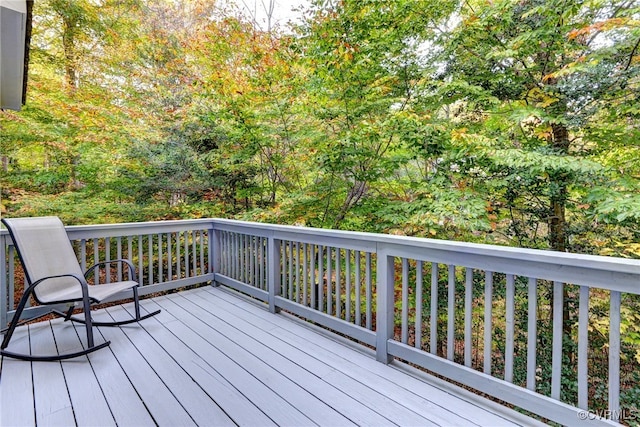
[96, 292]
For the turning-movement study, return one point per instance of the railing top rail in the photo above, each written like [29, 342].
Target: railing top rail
[132, 228]
[593, 262]
[395, 245]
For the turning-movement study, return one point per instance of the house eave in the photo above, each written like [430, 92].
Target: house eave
[15, 34]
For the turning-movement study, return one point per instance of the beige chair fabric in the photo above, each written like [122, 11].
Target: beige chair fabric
[46, 251]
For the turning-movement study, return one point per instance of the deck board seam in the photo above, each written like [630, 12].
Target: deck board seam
[142, 355]
[209, 366]
[268, 317]
[239, 365]
[352, 377]
[135, 389]
[320, 378]
[176, 365]
[290, 377]
[102, 391]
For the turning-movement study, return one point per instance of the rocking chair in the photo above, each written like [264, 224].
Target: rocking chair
[53, 276]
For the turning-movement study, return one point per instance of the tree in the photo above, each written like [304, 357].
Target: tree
[365, 64]
[531, 63]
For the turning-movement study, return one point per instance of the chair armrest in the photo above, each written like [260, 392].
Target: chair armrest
[81, 281]
[75, 276]
[132, 270]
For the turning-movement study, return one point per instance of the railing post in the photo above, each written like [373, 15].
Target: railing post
[273, 278]
[215, 256]
[384, 314]
[614, 355]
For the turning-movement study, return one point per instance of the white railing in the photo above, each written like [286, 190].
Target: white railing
[472, 313]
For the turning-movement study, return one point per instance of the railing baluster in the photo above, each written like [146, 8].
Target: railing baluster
[468, 316]
[214, 255]
[240, 257]
[160, 258]
[368, 290]
[297, 282]
[283, 268]
[451, 311]
[230, 254]
[233, 258]
[130, 253]
[418, 319]
[314, 284]
[194, 253]
[510, 328]
[488, 306]
[433, 339]
[12, 275]
[186, 254]
[305, 272]
[202, 269]
[140, 261]
[289, 272]
[255, 262]
[259, 263]
[614, 355]
[263, 263]
[338, 286]
[6, 290]
[96, 259]
[170, 258]
[83, 255]
[404, 323]
[178, 256]
[290, 290]
[532, 333]
[107, 257]
[244, 266]
[235, 255]
[321, 280]
[246, 258]
[347, 285]
[358, 289]
[252, 263]
[150, 249]
[583, 348]
[329, 280]
[119, 256]
[222, 254]
[556, 357]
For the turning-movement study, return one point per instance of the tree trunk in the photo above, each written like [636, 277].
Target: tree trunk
[69, 25]
[558, 198]
[558, 222]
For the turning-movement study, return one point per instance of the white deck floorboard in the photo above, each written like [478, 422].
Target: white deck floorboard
[212, 358]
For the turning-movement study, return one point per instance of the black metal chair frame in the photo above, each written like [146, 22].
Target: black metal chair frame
[86, 300]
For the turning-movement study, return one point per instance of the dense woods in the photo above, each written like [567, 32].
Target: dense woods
[506, 122]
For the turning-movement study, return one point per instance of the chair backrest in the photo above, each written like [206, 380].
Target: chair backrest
[44, 250]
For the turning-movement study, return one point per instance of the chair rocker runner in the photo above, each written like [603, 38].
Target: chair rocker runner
[53, 276]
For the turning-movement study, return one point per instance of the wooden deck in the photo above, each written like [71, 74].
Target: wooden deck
[214, 358]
